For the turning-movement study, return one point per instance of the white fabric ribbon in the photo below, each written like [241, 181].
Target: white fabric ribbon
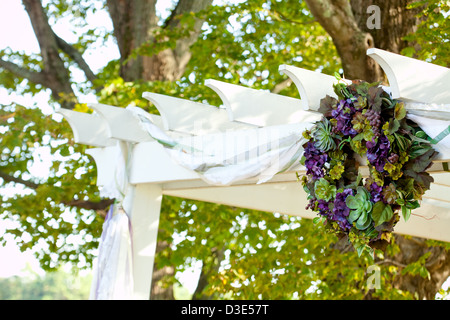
[226, 157]
[432, 119]
[113, 272]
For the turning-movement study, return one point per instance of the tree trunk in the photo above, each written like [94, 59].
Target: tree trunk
[437, 264]
[395, 22]
[209, 268]
[160, 291]
[337, 18]
[347, 23]
[135, 25]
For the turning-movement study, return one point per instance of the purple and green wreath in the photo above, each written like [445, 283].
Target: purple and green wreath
[365, 164]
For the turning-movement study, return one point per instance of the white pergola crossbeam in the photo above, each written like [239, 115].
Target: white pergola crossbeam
[414, 79]
[312, 86]
[88, 129]
[258, 107]
[190, 117]
[277, 197]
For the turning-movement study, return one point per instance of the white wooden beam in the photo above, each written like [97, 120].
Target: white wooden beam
[191, 117]
[106, 162]
[88, 129]
[413, 79]
[270, 197]
[122, 125]
[150, 163]
[312, 85]
[145, 213]
[258, 107]
[430, 221]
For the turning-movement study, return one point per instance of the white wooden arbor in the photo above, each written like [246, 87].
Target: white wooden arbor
[152, 173]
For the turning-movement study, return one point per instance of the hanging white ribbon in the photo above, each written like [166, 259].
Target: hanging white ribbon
[113, 275]
[113, 270]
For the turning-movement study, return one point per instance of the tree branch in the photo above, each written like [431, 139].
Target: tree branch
[337, 18]
[185, 6]
[77, 57]
[43, 31]
[281, 17]
[56, 75]
[8, 178]
[182, 53]
[33, 76]
[281, 86]
[82, 204]
[89, 205]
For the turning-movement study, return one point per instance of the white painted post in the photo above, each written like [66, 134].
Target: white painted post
[145, 200]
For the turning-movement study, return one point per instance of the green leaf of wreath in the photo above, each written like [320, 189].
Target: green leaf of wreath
[406, 212]
[394, 125]
[399, 111]
[381, 213]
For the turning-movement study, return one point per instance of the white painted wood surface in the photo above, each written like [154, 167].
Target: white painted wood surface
[88, 129]
[145, 212]
[414, 79]
[122, 124]
[191, 117]
[431, 220]
[312, 86]
[258, 107]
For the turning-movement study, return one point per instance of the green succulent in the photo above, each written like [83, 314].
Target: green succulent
[336, 171]
[360, 209]
[323, 136]
[362, 125]
[390, 194]
[324, 190]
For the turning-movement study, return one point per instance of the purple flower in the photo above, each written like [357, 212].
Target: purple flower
[344, 115]
[323, 207]
[340, 210]
[375, 192]
[314, 161]
[378, 151]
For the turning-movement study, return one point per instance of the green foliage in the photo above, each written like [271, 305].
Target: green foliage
[42, 220]
[433, 34]
[58, 285]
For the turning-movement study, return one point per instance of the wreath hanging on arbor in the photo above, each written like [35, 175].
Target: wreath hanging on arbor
[365, 130]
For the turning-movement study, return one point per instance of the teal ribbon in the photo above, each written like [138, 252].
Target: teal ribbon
[438, 138]
[441, 136]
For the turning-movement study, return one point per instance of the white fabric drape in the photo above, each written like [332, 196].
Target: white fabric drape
[113, 269]
[227, 157]
[113, 273]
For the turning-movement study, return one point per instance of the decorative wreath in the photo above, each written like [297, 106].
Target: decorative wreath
[365, 163]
